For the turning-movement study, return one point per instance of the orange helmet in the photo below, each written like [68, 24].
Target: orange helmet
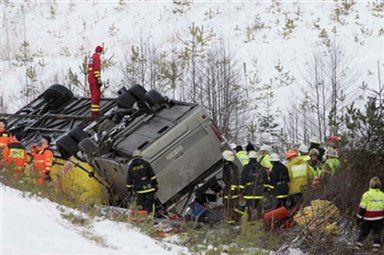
[290, 153]
[334, 138]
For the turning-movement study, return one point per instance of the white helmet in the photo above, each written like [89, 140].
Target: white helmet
[265, 147]
[229, 155]
[252, 154]
[274, 157]
[314, 139]
[233, 146]
[331, 152]
[304, 149]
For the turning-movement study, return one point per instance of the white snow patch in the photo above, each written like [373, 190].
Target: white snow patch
[35, 226]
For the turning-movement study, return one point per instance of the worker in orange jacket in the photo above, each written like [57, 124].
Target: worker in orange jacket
[42, 160]
[15, 155]
[5, 136]
[94, 80]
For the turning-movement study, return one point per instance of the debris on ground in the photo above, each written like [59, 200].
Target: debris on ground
[320, 217]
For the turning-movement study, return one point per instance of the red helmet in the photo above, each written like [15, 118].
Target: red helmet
[99, 49]
[334, 138]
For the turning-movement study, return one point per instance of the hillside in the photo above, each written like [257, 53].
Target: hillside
[279, 36]
[31, 225]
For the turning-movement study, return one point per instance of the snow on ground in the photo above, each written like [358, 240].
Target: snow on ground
[35, 226]
[61, 30]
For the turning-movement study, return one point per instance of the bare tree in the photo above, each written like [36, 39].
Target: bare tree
[342, 76]
[192, 54]
[146, 64]
[223, 95]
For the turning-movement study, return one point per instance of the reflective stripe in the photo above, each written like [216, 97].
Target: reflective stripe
[231, 221]
[129, 186]
[241, 187]
[373, 218]
[145, 191]
[239, 211]
[268, 186]
[231, 197]
[154, 177]
[282, 196]
[253, 197]
[249, 183]
[299, 170]
[39, 161]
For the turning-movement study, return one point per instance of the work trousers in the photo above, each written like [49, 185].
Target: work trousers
[146, 201]
[95, 95]
[375, 226]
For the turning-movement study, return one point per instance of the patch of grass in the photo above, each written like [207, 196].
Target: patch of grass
[76, 219]
[96, 238]
[54, 191]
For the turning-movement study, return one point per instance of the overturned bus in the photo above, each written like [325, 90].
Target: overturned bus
[179, 139]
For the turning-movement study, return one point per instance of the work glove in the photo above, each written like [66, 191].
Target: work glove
[47, 176]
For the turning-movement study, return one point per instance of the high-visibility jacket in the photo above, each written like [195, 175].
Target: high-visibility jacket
[372, 205]
[94, 66]
[317, 168]
[242, 155]
[94, 80]
[5, 138]
[15, 155]
[305, 157]
[42, 162]
[331, 166]
[141, 176]
[300, 175]
[266, 162]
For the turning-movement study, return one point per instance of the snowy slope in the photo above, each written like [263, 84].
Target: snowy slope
[35, 226]
[77, 25]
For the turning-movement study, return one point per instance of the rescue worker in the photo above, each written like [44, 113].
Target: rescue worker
[94, 80]
[253, 179]
[231, 189]
[279, 180]
[5, 136]
[371, 215]
[15, 155]
[249, 147]
[315, 144]
[142, 180]
[242, 155]
[300, 176]
[334, 142]
[331, 164]
[264, 157]
[315, 163]
[303, 150]
[42, 160]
